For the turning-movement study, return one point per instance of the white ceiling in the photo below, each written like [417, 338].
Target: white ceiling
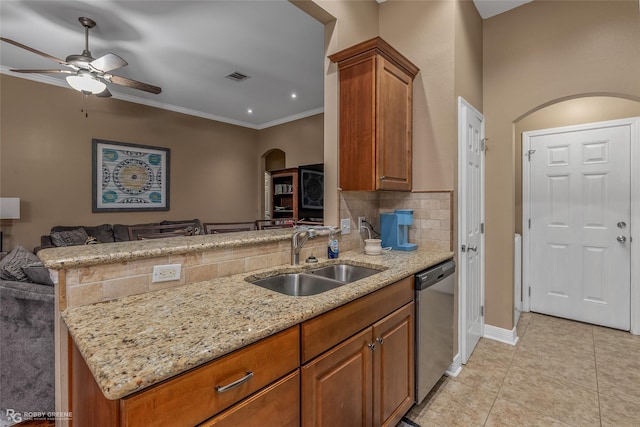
[489, 8]
[187, 48]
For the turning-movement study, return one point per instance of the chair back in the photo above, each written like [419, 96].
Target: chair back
[266, 224]
[143, 232]
[228, 227]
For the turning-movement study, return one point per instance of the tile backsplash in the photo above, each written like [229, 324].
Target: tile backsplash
[432, 215]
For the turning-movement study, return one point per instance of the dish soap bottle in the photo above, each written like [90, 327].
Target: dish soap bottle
[332, 248]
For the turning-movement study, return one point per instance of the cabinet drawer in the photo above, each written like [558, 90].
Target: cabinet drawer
[278, 404]
[324, 331]
[193, 397]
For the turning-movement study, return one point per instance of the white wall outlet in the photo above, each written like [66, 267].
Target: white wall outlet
[165, 273]
[361, 225]
[345, 226]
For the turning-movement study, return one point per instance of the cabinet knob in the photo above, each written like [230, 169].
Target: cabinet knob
[380, 340]
[371, 346]
[382, 178]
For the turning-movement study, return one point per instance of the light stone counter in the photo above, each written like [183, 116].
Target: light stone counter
[74, 256]
[137, 341]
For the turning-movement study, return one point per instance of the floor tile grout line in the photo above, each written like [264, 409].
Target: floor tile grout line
[506, 373]
[595, 359]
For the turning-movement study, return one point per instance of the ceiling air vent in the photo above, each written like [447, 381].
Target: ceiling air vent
[237, 76]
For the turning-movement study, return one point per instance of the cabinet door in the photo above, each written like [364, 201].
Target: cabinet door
[393, 366]
[278, 404]
[394, 127]
[357, 125]
[337, 386]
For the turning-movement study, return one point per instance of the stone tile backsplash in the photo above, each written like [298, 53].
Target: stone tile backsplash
[432, 215]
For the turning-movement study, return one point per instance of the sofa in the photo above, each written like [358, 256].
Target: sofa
[106, 233]
[27, 313]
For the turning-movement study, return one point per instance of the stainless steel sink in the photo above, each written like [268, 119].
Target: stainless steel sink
[315, 281]
[344, 272]
[298, 284]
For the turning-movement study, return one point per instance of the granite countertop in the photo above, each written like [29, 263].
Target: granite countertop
[87, 255]
[137, 341]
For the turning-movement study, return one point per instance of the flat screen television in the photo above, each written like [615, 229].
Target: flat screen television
[311, 191]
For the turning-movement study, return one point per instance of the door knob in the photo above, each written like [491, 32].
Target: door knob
[473, 248]
[621, 239]
[622, 224]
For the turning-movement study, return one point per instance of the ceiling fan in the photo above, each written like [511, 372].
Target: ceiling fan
[88, 74]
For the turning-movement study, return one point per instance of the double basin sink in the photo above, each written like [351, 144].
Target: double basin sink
[316, 281]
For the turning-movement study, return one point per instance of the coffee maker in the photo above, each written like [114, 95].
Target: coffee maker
[394, 229]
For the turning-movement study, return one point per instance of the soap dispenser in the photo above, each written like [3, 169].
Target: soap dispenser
[332, 246]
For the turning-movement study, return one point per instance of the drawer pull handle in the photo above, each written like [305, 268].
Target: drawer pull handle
[223, 388]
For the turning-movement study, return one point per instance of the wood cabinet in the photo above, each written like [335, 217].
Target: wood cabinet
[367, 379]
[284, 186]
[352, 365]
[195, 396]
[376, 109]
[277, 404]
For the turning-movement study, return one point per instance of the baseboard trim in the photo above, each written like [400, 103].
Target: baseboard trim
[499, 334]
[455, 368]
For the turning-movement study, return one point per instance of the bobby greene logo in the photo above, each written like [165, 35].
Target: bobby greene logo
[16, 417]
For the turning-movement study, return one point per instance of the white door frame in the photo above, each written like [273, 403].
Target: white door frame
[634, 124]
[463, 107]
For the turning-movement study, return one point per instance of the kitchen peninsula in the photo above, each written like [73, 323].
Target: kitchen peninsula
[134, 344]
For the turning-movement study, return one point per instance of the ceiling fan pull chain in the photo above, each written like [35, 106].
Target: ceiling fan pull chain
[84, 106]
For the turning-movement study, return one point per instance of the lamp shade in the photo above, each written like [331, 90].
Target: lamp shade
[9, 208]
[86, 83]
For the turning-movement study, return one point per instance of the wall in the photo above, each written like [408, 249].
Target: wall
[585, 47]
[45, 158]
[301, 140]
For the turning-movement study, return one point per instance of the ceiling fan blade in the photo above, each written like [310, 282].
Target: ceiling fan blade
[104, 94]
[45, 71]
[123, 81]
[108, 62]
[30, 49]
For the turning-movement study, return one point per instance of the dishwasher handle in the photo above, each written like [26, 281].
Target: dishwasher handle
[433, 275]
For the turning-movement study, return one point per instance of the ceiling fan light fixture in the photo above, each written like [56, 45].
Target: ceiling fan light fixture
[86, 83]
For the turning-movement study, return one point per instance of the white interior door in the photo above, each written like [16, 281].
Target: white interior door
[471, 227]
[580, 211]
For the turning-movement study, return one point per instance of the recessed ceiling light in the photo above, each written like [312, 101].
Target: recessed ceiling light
[249, 111]
[294, 96]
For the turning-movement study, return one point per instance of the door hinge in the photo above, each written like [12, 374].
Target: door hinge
[482, 310]
[483, 144]
[529, 290]
[529, 153]
[529, 222]
[482, 228]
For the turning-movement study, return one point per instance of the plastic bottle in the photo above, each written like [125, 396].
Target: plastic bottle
[332, 247]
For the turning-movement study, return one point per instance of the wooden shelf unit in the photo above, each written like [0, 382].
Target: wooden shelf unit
[284, 186]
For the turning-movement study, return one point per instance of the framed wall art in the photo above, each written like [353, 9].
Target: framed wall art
[129, 177]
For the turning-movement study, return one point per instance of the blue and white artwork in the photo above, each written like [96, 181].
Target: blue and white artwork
[129, 177]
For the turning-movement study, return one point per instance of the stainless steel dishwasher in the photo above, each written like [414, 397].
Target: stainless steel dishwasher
[434, 325]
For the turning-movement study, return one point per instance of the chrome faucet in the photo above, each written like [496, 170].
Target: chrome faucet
[296, 244]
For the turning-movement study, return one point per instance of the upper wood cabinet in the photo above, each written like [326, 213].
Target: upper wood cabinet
[376, 91]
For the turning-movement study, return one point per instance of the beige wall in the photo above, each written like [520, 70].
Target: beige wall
[533, 55]
[301, 141]
[45, 158]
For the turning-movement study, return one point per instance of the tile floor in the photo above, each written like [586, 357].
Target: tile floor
[561, 373]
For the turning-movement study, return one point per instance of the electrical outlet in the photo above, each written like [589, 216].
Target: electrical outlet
[361, 225]
[165, 273]
[345, 226]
